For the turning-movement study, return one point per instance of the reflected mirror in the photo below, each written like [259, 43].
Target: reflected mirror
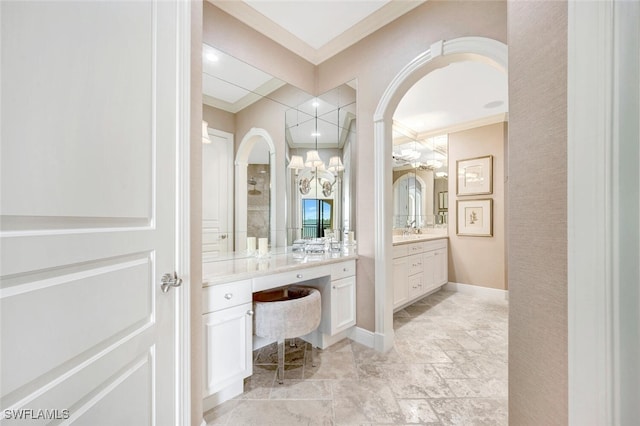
[254, 123]
[420, 179]
[321, 135]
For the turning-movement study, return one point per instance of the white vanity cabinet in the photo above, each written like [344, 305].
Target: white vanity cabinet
[419, 268]
[228, 329]
[228, 316]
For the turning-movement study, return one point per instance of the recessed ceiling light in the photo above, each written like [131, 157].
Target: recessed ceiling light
[315, 134]
[315, 104]
[211, 57]
[493, 104]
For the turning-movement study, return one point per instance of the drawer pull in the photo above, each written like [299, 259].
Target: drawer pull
[299, 276]
[250, 312]
[228, 296]
[345, 269]
[334, 287]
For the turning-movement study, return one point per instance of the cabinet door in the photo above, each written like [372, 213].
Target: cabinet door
[441, 269]
[428, 261]
[415, 285]
[400, 281]
[228, 347]
[343, 304]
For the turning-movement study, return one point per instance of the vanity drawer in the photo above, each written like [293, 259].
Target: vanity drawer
[417, 248]
[226, 296]
[400, 251]
[415, 264]
[343, 270]
[292, 277]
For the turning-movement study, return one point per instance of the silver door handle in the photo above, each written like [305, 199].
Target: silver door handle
[223, 236]
[170, 280]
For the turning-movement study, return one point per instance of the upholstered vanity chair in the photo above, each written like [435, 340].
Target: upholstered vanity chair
[286, 313]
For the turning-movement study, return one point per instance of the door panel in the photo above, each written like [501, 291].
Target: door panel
[217, 195]
[343, 304]
[88, 204]
[228, 342]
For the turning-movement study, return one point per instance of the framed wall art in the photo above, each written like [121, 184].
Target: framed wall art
[475, 217]
[475, 176]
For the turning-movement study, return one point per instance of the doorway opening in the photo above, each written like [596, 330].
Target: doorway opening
[439, 55]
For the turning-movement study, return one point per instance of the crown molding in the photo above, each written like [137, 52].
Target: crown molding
[378, 19]
[256, 20]
[259, 93]
[409, 135]
[484, 121]
[251, 17]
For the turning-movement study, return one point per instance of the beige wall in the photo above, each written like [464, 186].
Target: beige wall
[375, 61]
[479, 260]
[219, 119]
[537, 222]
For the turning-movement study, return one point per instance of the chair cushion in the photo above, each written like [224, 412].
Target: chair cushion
[287, 313]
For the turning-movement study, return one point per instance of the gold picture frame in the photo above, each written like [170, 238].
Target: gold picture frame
[474, 217]
[475, 176]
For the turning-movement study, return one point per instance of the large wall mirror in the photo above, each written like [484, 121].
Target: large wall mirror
[321, 135]
[420, 180]
[255, 124]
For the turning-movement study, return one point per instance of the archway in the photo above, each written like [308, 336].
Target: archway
[252, 137]
[440, 54]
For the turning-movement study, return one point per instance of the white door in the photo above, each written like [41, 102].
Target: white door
[217, 195]
[88, 198]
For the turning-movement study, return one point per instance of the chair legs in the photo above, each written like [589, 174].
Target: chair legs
[281, 361]
[281, 347]
[313, 355]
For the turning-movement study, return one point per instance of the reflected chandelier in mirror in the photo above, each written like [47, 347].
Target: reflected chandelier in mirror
[320, 138]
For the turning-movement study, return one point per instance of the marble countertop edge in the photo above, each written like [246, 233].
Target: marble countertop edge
[245, 268]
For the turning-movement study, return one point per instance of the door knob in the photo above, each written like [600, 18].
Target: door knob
[170, 280]
[223, 236]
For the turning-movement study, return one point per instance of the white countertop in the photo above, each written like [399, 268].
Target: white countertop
[241, 266]
[414, 238]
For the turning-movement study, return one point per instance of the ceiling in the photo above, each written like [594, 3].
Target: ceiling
[462, 92]
[316, 29]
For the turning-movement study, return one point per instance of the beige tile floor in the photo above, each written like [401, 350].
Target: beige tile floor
[448, 367]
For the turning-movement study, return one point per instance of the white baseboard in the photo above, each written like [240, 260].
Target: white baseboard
[362, 336]
[492, 293]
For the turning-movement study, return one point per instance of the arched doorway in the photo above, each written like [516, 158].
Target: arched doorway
[253, 136]
[440, 54]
